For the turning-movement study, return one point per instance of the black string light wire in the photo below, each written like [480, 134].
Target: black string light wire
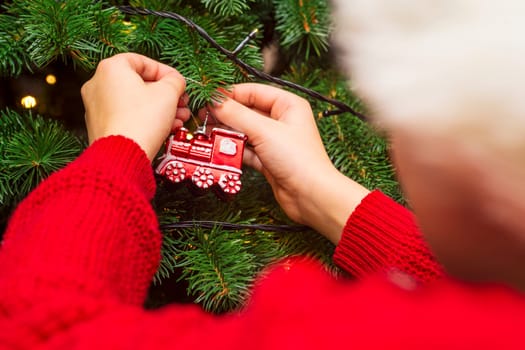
[232, 56]
[232, 226]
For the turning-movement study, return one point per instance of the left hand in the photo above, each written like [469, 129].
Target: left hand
[287, 148]
[136, 97]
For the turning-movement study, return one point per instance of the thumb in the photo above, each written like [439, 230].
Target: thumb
[242, 118]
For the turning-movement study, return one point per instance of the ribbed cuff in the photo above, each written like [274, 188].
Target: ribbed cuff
[375, 235]
[118, 156]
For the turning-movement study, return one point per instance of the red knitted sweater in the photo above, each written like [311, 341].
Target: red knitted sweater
[81, 250]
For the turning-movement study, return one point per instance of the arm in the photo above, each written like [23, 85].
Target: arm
[68, 282]
[87, 240]
[284, 143]
[72, 236]
[81, 250]
[93, 202]
[372, 231]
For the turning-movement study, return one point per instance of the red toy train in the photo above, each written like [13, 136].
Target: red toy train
[212, 160]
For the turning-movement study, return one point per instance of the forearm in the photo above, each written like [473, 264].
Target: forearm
[332, 198]
[371, 231]
[88, 229]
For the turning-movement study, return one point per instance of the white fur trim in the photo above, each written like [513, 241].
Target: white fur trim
[455, 66]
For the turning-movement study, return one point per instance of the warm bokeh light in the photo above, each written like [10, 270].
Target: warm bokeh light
[28, 101]
[51, 79]
[131, 26]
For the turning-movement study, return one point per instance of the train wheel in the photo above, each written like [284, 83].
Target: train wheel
[203, 177]
[175, 171]
[230, 183]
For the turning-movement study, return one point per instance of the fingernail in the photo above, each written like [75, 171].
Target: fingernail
[217, 101]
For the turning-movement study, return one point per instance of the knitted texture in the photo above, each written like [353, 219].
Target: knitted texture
[383, 234]
[88, 231]
[81, 250]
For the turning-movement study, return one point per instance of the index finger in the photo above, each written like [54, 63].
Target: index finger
[279, 104]
[153, 71]
[147, 68]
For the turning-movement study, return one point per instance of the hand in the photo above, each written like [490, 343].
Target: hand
[287, 148]
[134, 96]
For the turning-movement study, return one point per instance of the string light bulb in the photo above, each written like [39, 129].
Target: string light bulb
[130, 27]
[28, 102]
[51, 79]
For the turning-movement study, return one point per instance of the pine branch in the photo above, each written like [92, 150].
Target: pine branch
[360, 153]
[10, 124]
[149, 35]
[234, 226]
[204, 68]
[342, 107]
[13, 57]
[168, 261]
[227, 7]
[86, 32]
[253, 218]
[304, 25]
[217, 266]
[82, 30]
[31, 151]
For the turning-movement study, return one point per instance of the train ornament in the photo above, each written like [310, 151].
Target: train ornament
[206, 161]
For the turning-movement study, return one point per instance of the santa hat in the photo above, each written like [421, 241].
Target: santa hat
[454, 67]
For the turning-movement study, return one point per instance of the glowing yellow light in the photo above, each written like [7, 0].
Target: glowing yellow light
[131, 27]
[51, 79]
[28, 101]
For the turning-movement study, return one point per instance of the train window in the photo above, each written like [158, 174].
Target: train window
[228, 147]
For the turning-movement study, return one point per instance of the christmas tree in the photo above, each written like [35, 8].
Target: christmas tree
[212, 250]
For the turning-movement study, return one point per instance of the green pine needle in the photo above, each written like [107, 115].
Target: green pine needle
[10, 124]
[217, 266]
[227, 7]
[205, 68]
[198, 252]
[13, 57]
[83, 31]
[304, 24]
[32, 153]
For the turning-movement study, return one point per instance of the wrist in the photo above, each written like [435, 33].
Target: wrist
[331, 201]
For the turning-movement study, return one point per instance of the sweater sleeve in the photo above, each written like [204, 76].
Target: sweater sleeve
[91, 225]
[383, 235]
[85, 241]
[80, 252]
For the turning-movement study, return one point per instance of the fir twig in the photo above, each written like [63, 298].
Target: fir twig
[304, 26]
[217, 265]
[226, 7]
[13, 57]
[31, 148]
[342, 107]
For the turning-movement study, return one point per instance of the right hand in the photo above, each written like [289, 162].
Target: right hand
[136, 97]
[287, 148]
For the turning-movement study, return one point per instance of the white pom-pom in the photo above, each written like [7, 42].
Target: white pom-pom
[455, 66]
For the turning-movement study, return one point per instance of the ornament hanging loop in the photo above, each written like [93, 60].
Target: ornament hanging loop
[202, 128]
